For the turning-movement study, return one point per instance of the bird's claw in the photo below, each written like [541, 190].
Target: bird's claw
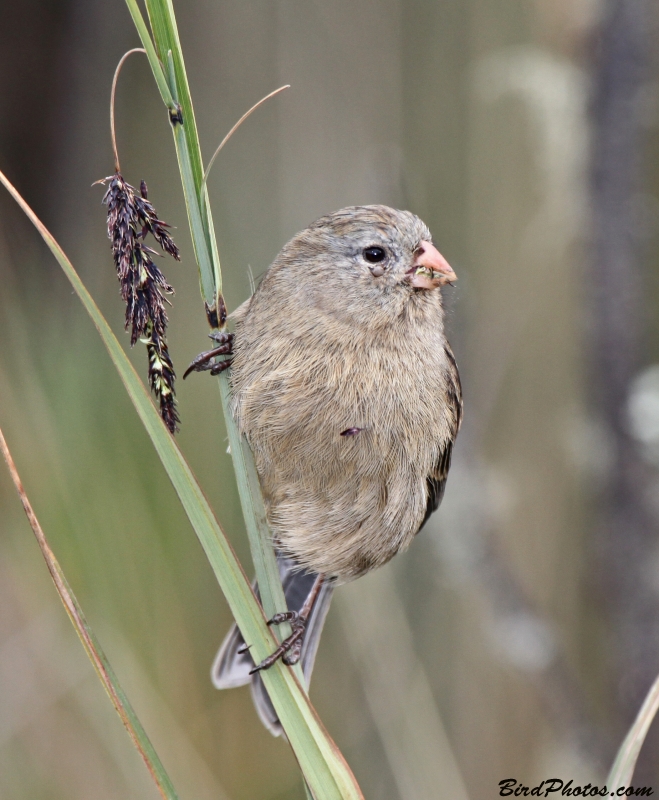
[204, 361]
[297, 621]
[290, 649]
[284, 616]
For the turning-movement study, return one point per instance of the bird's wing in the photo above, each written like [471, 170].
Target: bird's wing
[436, 481]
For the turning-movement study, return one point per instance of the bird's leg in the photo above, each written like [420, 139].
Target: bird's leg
[203, 361]
[284, 616]
[293, 655]
[291, 648]
[284, 647]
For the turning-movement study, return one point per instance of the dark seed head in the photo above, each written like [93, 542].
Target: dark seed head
[161, 380]
[130, 217]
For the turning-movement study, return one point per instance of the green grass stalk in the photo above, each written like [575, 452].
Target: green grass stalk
[167, 43]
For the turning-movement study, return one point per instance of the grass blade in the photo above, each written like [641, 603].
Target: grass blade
[272, 594]
[324, 768]
[186, 139]
[165, 31]
[625, 762]
[90, 643]
[235, 128]
[151, 54]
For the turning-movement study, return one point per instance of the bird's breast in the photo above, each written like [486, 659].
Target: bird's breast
[345, 431]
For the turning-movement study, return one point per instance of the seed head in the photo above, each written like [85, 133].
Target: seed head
[142, 285]
[161, 379]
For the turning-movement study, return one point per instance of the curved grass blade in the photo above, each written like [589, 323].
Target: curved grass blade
[625, 762]
[324, 768]
[90, 643]
[248, 113]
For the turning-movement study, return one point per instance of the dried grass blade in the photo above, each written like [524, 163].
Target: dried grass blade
[625, 762]
[90, 642]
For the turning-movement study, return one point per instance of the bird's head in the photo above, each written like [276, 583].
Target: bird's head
[379, 248]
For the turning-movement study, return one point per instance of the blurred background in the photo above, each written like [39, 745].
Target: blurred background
[518, 636]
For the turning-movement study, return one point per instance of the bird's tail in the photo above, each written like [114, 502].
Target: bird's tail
[231, 668]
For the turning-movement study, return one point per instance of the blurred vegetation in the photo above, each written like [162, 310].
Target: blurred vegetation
[504, 639]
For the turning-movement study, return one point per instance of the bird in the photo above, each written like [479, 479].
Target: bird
[347, 390]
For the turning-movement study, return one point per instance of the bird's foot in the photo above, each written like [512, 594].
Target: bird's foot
[204, 361]
[290, 649]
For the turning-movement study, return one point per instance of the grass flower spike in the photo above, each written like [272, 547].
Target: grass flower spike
[143, 286]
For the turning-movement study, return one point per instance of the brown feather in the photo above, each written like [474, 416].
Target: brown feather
[323, 347]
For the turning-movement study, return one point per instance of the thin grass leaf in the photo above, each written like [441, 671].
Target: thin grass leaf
[91, 644]
[151, 54]
[163, 25]
[623, 767]
[322, 764]
[186, 139]
[256, 523]
[248, 113]
[200, 226]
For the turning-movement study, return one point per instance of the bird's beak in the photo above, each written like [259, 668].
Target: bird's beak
[430, 269]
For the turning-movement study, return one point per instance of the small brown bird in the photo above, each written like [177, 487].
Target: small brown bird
[347, 390]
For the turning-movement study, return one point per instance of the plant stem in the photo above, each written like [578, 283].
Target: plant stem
[165, 31]
[235, 128]
[117, 166]
[91, 644]
[623, 767]
[251, 499]
[151, 54]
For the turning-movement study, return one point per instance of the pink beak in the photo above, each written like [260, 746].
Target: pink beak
[430, 268]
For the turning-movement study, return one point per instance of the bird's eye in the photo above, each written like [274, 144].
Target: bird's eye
[374, 254]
